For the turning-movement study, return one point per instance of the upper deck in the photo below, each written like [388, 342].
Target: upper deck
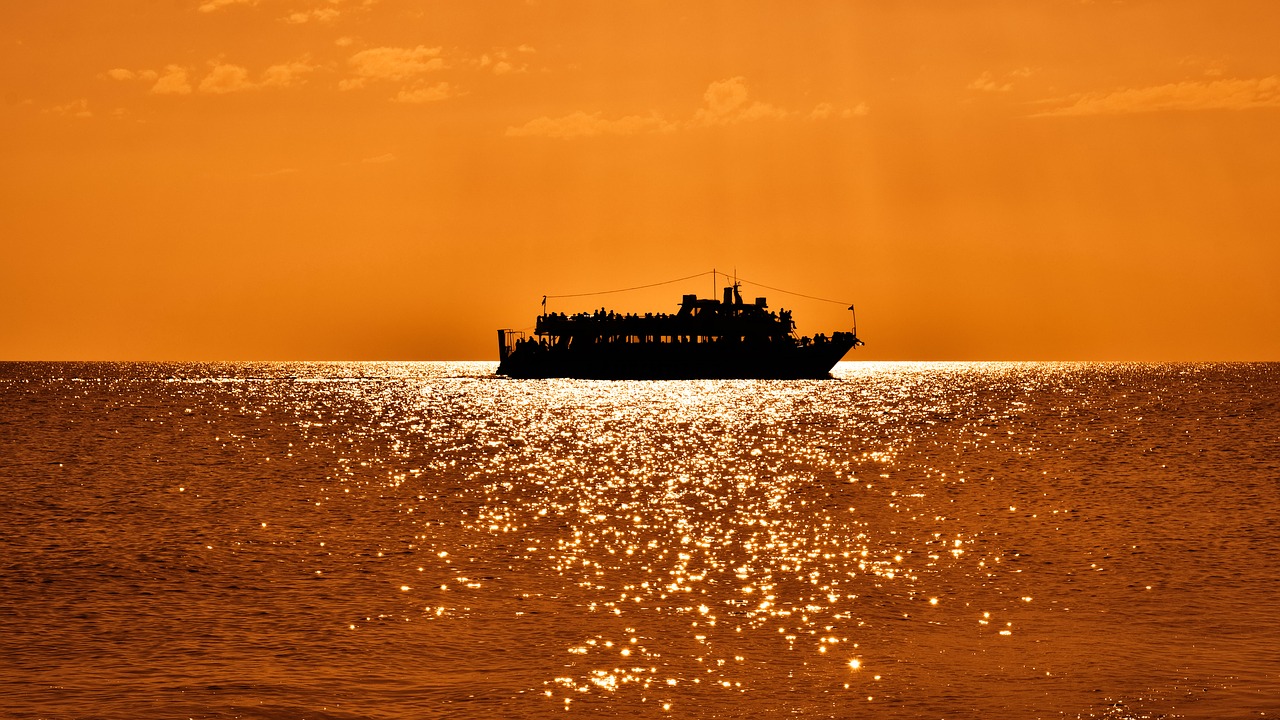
[697, 320]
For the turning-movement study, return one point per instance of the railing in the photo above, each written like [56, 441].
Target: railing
[507, 341]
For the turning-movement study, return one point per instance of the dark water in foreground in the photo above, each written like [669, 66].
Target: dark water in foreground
[426, 540]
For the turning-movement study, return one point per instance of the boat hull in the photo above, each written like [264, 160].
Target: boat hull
[690, 361]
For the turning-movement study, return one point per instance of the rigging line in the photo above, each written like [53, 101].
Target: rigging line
[788, 292]
[638, 287]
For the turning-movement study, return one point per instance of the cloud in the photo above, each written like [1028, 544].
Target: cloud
[581, 124]
[75, 108]
[324, 15]
[500, 62]
[1211, 67]
[986, 82]
[172, 82]
[212, 5]
[392, 63]
[229, 78]
[426, 93]
[226, 78]
[1233, 94]
[405, 65]
[286, 74]
[725, 102]
[222, 77]
[827, 111]
[124, 75]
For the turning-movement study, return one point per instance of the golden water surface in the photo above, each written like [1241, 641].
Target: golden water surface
[429, 540]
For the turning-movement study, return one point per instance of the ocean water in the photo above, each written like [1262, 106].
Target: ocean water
[427, 540]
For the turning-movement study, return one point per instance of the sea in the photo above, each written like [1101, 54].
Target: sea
[429, 540]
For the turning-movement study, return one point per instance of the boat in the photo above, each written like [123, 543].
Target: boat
[708, 338]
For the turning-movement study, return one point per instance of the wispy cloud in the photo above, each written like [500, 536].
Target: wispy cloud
[392, 63]
[325, 11]
[125, 75]
[1209, 67]
[286, 74]
[725, 102]
[502, 61]
[426, 93]
[75, 108]
[173, 82]
[213, 5]
[827, 111]
[991, 82]
[581, 124]
[986, 82]
[223, 77]
[226, 78]
[322, 14]
[1229, 94]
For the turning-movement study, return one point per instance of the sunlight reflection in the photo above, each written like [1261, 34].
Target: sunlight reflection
[701, 527]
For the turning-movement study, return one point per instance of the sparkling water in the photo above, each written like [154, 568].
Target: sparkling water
[425, 540]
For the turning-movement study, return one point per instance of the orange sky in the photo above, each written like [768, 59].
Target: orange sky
[380, 179]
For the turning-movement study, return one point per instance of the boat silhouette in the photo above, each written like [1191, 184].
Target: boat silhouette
[708, 338]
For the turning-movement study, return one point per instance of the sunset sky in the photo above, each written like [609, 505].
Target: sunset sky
[382, 179]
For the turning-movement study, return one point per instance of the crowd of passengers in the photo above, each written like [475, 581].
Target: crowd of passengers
[606, 322]
[681, 328]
